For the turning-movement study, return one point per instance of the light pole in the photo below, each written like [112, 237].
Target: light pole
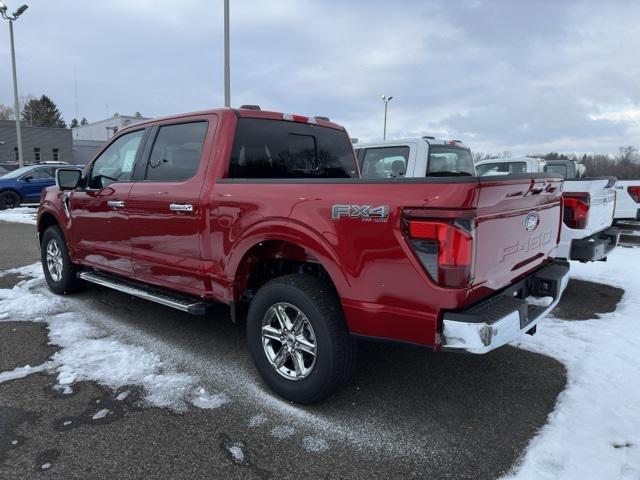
[386, 101]
[16, 103]
[227, 69]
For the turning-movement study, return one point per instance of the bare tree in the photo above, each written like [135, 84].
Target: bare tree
[6, 113]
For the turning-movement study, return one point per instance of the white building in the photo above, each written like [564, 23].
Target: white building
[103, 130]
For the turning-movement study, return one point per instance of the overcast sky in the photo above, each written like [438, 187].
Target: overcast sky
[501, 75]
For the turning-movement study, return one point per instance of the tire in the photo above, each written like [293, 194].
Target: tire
[59, 271]
[323, 326]
[9, 199]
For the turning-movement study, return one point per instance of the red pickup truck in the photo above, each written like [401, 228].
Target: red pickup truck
[266, 212]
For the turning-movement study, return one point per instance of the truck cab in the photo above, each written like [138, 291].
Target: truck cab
[414, 157]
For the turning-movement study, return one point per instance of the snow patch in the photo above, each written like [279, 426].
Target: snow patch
[257, 420]
[282, 431]
[594, 431]
[45, 466]
[101, 414]
[122, 396]
[19, 215]
[209, 401]
[314, 444]
[21, 372]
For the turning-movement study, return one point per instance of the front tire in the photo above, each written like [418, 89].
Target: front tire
[59, 272]
[298, 338]
[9, 199]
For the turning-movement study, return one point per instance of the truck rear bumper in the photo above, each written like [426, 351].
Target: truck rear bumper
[507, 315]
[596, 247]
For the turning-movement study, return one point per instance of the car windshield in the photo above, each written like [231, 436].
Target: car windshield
[18, 172]
[450, 159]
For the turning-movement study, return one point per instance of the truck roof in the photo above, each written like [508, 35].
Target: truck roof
[429, 140]
[245, 113]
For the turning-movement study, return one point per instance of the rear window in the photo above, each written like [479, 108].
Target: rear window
[501, 168]
[283, 149]
[445, 159]
[556, 169]
[385, 162]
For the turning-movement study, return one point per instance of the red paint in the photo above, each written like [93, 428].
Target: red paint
[383, 286]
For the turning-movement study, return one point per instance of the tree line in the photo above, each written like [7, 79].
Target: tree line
[624, 165]
[40, 112]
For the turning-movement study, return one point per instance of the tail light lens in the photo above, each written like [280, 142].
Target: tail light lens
[634, 192]
[576, 210]
[444, 249]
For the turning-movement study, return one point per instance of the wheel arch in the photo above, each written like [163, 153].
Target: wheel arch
[273, 251]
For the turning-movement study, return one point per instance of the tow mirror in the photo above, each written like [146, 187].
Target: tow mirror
[68, 178]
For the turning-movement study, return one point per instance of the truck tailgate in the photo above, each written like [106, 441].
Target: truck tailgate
[601, 201]
[516, 228]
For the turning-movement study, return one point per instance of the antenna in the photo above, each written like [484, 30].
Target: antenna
[75, 89]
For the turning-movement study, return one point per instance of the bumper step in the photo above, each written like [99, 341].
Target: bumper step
[175, 300]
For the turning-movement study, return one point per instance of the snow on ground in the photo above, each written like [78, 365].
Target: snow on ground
[88, 354]
[594, 431]
[19, 215]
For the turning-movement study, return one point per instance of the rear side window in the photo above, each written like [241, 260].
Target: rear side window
[176, 152]
[385, 162]
[449, 159]
[283, 149]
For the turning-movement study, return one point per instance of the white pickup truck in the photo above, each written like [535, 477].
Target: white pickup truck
[589, 203]
[587, 234]
[627, 200]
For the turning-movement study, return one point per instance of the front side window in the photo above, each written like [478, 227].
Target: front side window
[116, 163]
[282, 149]
[176, 152]
[385, 162]
[449, 160]
[41, 174]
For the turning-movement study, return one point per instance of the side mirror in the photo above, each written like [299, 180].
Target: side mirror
[68, 178]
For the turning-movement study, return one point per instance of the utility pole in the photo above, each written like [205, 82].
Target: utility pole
[386, 101]
[16, 102]
[227, 69]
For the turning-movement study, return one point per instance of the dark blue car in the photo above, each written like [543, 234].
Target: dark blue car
[25, 184]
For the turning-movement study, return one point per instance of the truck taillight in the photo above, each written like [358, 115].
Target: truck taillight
[576, 210]
[444, 249]
[634, 192]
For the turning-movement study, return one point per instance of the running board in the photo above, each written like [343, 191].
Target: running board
[178, 301]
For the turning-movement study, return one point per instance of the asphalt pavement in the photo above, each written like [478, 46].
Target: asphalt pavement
[407, 413]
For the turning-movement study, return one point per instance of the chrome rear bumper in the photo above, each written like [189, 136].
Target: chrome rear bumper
[504, 317]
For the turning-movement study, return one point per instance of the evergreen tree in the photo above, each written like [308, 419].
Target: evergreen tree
[84, 122]
[74, 123]
[42, 112]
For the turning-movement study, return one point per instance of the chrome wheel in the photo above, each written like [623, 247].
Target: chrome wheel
[54, 260]
[289, 341]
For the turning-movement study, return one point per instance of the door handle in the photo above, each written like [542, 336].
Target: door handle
[115, 204]
[181, 207]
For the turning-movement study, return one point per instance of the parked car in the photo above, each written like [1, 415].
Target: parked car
[24, 185]
[589, 203]
[265, 212]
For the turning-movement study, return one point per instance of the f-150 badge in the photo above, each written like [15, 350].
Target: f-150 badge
[367, 213]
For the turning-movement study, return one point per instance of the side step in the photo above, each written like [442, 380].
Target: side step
[175, 300]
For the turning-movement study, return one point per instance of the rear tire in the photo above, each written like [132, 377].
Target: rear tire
[59, 272]
[9, 199]
[315, 324]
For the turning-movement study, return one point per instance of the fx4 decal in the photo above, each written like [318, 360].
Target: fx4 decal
[366, 213]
